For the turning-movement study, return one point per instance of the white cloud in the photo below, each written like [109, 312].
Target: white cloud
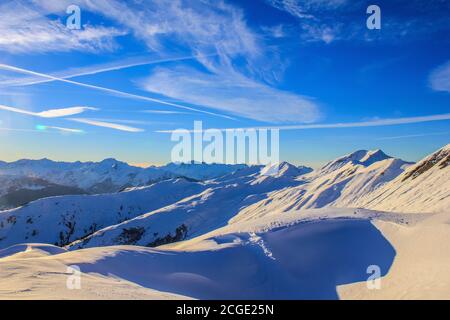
[275, 31]
[17, 130]
[234, 93]
[104, 124]
[133, 122]
[53, 113]
[44, 129]
[90, 70]
[107, 90]
[59, 129]
[302, 8]
[163, 112]
[24, 29]
[418, 135]
[314, 25]
[204, 26]
[440, 78]
[218, 34]
[56, 113]
[293, 7]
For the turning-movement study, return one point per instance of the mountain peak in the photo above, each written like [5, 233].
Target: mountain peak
[373, 156]
[359, 157]
[282, 169]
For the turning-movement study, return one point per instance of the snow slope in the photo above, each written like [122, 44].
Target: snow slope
[62, 220]
[421, 266]
[246, 235]
[340, 183]
[310, 254]
[195, 215]
[424, 187]
[173, 211]
[33, 271]
[255, 261]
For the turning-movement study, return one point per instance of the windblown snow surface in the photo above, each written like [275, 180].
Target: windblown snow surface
[245, 236]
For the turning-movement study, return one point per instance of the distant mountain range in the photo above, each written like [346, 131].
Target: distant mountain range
[167, 208]
[26, 180]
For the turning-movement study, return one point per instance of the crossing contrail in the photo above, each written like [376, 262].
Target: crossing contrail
[108, 90]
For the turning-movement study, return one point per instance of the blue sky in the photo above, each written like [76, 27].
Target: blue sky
[139, 67]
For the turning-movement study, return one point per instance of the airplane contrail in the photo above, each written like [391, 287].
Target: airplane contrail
[108, 90]
[361, 124]
[91, 71]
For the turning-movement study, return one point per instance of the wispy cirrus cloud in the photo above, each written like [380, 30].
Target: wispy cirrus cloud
[293, 7]
[104, 124]
[25, 28]
[42, 128]
[59, 129]
[314, 25]
[52, 113]
[417, 135]
[343, 20]
[133, 122]
[91, 70]
[305, 9]
[107, 90]
[229, 52]
[360, 124]
[163, 112]
[233, 93]
[440, 78]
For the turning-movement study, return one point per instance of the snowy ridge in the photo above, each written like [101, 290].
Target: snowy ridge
[62, 220]
[110, 174]
[203, 212]
[22, 179]
[176, 210]
[424, 187]
[340, 187]
[245, 235]
[201, 171]
[284, 169]
[362, 157]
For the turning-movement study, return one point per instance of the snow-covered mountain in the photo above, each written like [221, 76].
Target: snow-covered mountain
[62, 220]
[255, 233]
[16, 191]
[196, 215]
[285, 169]
[339, 183]
[201, 171]
[361, 157]
[28, 180]
[423, 187]
[175, 210]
